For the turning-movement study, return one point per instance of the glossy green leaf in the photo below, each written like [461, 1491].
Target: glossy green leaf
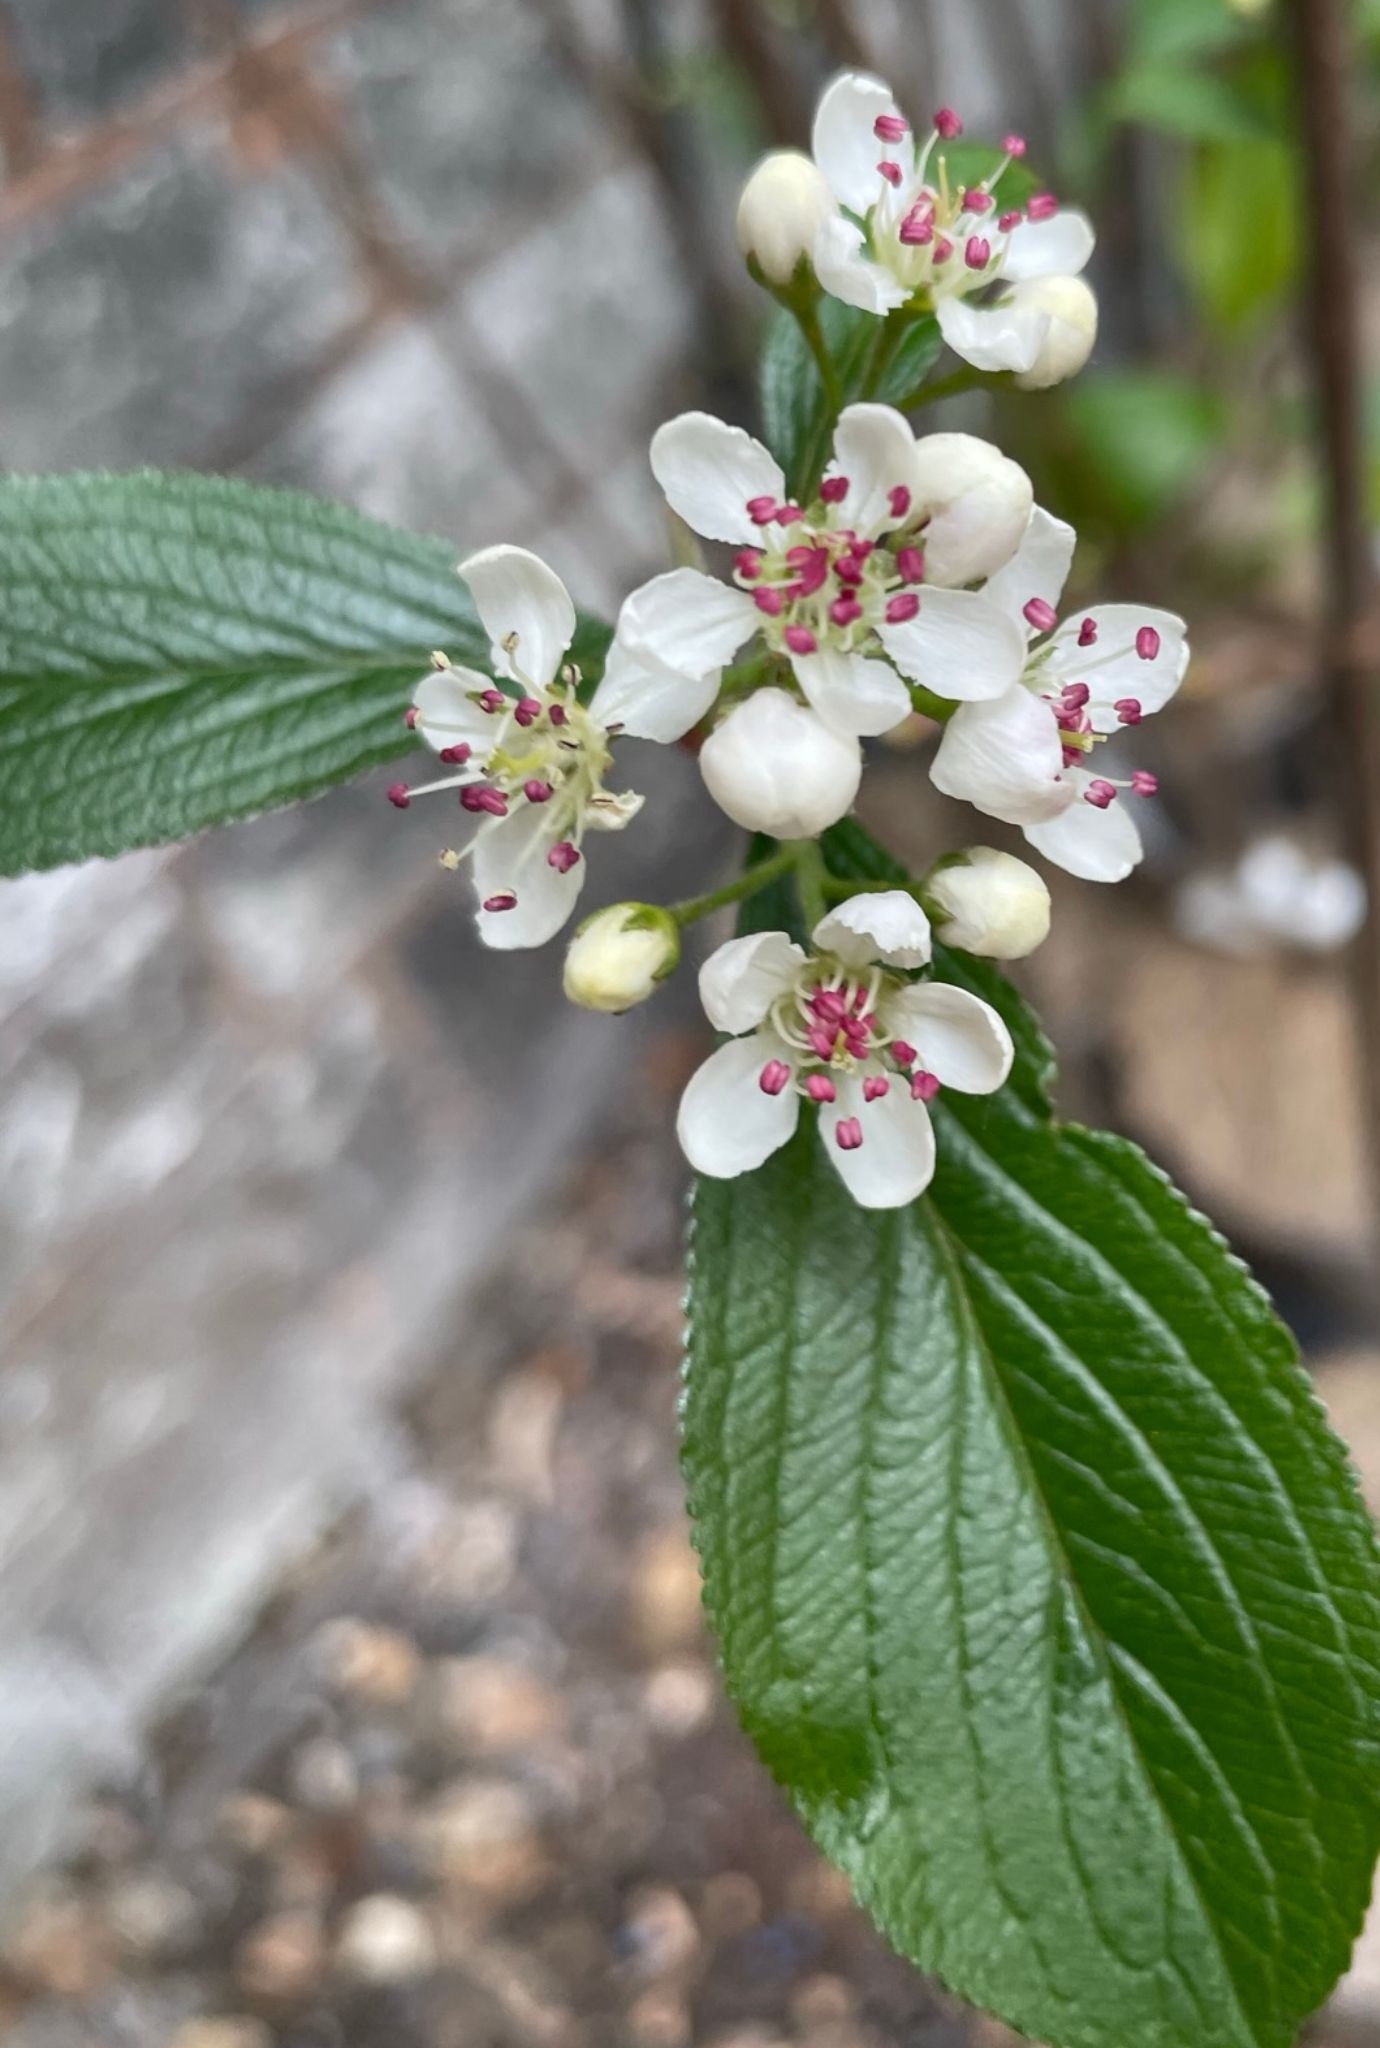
[1041, 1583]
[873, 360]
[177, 651]
[1238, 234]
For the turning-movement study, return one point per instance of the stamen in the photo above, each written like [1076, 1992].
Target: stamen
[457, 755]
[1076, 696]
[1087, 633]
[537, 792]
[892, 172]
[848, 569]
[1143, 783]
[899, 499]
[1100, 794]
[902, 607]
[978, 252]
[875, 1087]
[769, 600]
[917, 229]
[410, 718]
[948, 124]
[1014, 145]
[505, 900]
[1129, 710]
[820, 1088]
[911, 564]
[845, 611]
[1011, 220]
[492, 700]
[563, 857]
[1041, 615]
[904, 1055]
[761, 511]
[528, 711]
[1043, 206]
[829, 1004]
[749, 564]
[890, 128]
[801, 640]
[774, 1076]
[834, 489]
[943, 249]
[1147, 643]
[824, 1041]
[924, 1087]
[848, 1134]
[975, 200]
[788, 514]
[482, 796]
[399, 795]
[559, 715]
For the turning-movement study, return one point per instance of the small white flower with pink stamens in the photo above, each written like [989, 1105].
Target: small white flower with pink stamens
[842, 1028]
[834, 587]
[529, 767]
[906, 233]
[1027, 756]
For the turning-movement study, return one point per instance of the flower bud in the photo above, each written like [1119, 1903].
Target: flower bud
[1072, 309]
[619, 956]
[979, 503]
[776, 767]
[784, 203]
[989, 903]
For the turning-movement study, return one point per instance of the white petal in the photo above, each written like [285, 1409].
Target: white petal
[874, 447]
[1059, 247]
[1007, 337]
[709, 471]
[895, 1162]
[774, 766]
[1111, 667]
[687, 622]
[851, 693]
[649, 700]
[979, 502]
[1039, 567]
[727, 1124]
[960, 1039]
[447, 714]
[847, 274]
[741, 980]
[958, 645]
[515, 592]
[844, 143]
[880, 924]
[1095, 845]
[511, 854]
[1005, 757]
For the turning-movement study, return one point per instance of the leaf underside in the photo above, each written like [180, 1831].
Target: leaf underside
[1041, 1583]
[178, 651]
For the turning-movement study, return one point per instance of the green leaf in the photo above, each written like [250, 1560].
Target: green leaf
[1238, 234]
[179, 651]
[1190, 103]
[883, 361]
[1041, 1583]
[1140, 440]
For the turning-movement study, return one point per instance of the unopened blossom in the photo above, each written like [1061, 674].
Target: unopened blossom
[620, 956]
[833, 587]
[774, 766]
[989, 903]
[529, 761]
[1031, 753]
[784, 205]
[843, 1029]
[907, 231]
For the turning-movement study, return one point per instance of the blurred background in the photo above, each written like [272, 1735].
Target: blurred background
[355, 1690]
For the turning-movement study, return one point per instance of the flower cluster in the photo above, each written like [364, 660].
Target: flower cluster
[908, 574]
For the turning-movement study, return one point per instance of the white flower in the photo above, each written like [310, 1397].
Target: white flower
[905, 233]
[1021, 756]
[620, 956]
[990, 903]
[775, 767]
[784, 205]
[530, 766]
[1072, 309]
[833, 587]
[840, 1028]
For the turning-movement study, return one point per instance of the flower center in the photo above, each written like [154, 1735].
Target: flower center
[931, 232]
[1084, 723]
[831, 1022]
[821, 584]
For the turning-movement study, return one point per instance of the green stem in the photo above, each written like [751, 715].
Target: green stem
[811, 879]
[807, 316]
[889, 333]
[964, 379]
[940, 709]
[747, 884]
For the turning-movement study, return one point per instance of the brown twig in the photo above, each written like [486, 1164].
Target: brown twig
[1352, 640]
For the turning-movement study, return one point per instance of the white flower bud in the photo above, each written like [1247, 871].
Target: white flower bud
[775, 767]
[620, 956]
[993, 904]
[784, 204]
[980, 504]
[1072, 309]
